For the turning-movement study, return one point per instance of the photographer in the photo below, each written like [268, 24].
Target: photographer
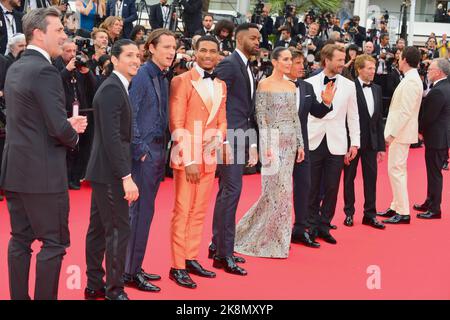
[224, 33]
[290, 20]
[261, 66]
[100, 39]
[385, 57]
[79, 84]
[359, 36]
[192, 16]
[265, 24]
[312, 42]
[433, 53]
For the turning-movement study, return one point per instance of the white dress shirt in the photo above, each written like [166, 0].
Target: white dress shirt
[41, 51]
[208, 81]
[165, 12]
[250, 74]
[368, 94]
[119, 8]
[124, 80]
[10, 24]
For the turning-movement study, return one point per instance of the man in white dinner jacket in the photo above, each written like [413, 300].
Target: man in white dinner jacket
[401, 131]
[328, 142]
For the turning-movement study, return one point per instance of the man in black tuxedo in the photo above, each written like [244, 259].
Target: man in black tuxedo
[241, 87]
[207, 26]
[192, 16]
[34, 173]
[372, 144]
[109, 170]
[361, 35]
[286, 40]
[125, 9]
[159, 15]
[434, 125]
[10, 21]
[307, 104]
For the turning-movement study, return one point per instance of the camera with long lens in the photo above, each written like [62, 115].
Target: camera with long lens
[85, 49]
[257, 13]
[289, 11]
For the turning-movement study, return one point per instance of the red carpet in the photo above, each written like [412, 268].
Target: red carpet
[414, 260]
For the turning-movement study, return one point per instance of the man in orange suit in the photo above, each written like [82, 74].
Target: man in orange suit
[198, 126]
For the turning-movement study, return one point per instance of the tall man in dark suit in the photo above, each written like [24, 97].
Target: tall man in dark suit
[10, 21]
[307, 104]
[125, 9]
[192, 16]
[241, 87]
[434, 125]
[159, 15]
[265, 23]
[149, 98]
[34, 172]
[372, 148]
[207, 26]
[361, 34]
[109, 170]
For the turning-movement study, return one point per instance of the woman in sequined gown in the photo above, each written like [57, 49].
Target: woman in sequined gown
[265, 230]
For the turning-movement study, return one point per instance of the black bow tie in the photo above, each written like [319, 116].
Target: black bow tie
[296, 82]
[367, 85]
[8, 12]
[211, 75]
[326, 80]
[164, 5]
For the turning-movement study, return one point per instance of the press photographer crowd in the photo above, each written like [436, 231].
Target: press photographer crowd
[79, 88]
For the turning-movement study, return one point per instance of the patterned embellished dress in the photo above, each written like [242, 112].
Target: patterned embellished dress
[265, 230]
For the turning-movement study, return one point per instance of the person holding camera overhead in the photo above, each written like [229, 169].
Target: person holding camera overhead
[289, 19]
[88, 10]
[79, 88]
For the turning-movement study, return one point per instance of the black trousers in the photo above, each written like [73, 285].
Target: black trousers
[434, 160]
[43, 217]
[325, 164]
[302, 187]
[369, 171]
[78, 158]
[107, 236]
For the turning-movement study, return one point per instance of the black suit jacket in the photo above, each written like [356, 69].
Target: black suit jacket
[3, 30]
[110, 158]
[282, 43]
[156, 16]
[240, 104]
[434, 123]
[296, 28]
[309, 105]
[372, 128]
[38, 133]
[192, 16]
[361, 36]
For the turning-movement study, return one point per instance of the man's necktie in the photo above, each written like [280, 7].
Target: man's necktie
[296, 82]
[326, 80]
[211, 75]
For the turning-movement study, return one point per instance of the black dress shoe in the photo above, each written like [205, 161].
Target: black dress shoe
[373, 222]
[212, 251]
[91, 294]
[429, 215]
[192, 266]
[421, 207]
[348, 221]
[120, 296]
[327, 237]
[149, 276]
[332, 226]
[306, 240]
[387, 214]
[445, 166]
[229, 265]
[398, 219]
[140, 282]
[182, 278]
[74, 186]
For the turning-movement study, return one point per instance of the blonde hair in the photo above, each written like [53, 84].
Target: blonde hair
[327, 52]
[360, 61]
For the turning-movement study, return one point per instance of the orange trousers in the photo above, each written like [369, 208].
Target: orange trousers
[191, 204]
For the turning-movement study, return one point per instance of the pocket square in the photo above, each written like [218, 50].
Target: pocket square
[307, 96]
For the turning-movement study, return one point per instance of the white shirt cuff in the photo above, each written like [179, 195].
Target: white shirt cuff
[127, 176]
[254, 145]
